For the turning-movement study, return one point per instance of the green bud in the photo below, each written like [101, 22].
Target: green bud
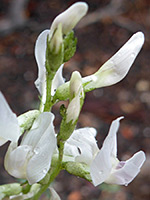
[66, 129]
[62, 92]
[70, 43]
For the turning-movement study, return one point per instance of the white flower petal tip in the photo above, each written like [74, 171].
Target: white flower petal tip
[70, 17]
[139, 37]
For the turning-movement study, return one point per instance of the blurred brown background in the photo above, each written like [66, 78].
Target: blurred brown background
[108, 25]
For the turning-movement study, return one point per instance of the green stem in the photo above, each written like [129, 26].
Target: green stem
[48, 103]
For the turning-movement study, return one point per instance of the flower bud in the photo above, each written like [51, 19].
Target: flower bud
[56, 40]
[75, 84]
[76, 94]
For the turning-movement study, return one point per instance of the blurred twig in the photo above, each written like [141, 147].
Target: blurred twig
[15, 17]
[114, 9]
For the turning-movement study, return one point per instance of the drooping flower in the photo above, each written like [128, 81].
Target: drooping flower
[103, 164]
[9, 127]
[117, 67]
[31, 160]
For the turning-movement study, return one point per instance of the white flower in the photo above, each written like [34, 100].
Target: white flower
[9, 127]
[107, 168]
[116, 68]
[31, 160]
[103, 164]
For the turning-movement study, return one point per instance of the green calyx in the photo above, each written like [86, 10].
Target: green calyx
[78, 169]
[10, 189]
[26, 120]
[53, 59]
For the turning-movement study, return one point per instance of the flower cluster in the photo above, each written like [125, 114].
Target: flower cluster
[36, 152]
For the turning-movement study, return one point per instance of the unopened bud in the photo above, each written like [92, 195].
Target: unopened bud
[76, 97]
[75, 84]
[56, 40]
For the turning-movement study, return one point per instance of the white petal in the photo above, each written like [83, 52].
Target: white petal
[58, 80]
[70, 150]
[40, 125]
[116, 68]
[130, 169]
[82, 145]
[102, 165]
[75, 84]
[40, 162]
[70, 17]
[40, 55]
[54, 195]
[73, 109]
[16, 160]
[111, 139]
[9, 128]
[2, 141]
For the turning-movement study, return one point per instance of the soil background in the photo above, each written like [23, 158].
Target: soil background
[108, 25]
